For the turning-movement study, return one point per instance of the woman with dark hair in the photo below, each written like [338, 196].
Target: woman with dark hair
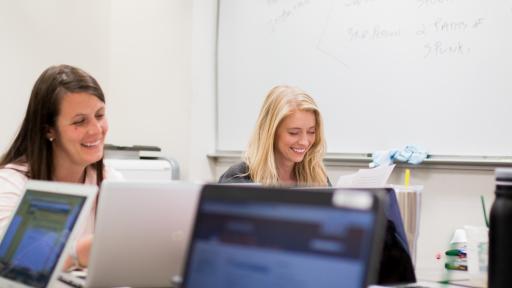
[61, 139]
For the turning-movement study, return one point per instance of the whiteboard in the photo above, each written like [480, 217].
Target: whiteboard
[385, 73]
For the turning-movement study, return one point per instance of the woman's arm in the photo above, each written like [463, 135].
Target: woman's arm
[82, 251]
[12, 185]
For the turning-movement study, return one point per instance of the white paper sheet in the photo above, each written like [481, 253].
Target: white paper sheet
[374, 177]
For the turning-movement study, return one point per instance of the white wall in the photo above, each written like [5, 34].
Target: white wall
[150, 75]
[141, 54]
[37, 34]
[202, 106]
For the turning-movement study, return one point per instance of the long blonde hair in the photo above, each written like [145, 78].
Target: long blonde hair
[280, 102]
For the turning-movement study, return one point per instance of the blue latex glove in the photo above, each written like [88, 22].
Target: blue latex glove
[382, 158]
[410, 154]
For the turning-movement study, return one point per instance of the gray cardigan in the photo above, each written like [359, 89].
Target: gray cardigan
[239, 173]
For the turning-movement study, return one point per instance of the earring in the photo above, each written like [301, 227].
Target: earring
[51, 139]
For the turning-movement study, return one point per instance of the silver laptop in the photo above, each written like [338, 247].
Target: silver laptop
[142, 231]
[35, 244]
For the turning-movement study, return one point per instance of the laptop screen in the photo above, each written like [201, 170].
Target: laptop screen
[37, 235]
[278, 244]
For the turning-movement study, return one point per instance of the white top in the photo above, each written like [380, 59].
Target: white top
[12, 185]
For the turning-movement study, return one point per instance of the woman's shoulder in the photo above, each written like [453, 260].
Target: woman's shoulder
[237, 173]
[13, 177]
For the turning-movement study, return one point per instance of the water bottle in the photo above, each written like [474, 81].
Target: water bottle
[500, 232]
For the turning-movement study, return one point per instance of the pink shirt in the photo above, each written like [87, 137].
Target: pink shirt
[12, 185]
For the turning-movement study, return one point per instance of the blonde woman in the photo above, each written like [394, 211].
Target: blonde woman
[287, 146]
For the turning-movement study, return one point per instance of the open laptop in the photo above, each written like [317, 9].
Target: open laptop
[396, 264]
[142, 232]
[251, 236]
[36, 241]
[392, 210]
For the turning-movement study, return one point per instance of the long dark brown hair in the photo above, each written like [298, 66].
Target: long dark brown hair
[31, 145]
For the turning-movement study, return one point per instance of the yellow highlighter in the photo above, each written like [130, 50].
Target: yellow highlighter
[407, 177]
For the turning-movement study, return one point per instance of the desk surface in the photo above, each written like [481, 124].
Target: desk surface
[420, 284]
[456, 278]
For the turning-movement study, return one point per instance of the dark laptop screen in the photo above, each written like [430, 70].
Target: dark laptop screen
[36, 236]
[266, 244]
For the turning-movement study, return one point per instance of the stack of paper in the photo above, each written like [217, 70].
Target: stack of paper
[374, 177]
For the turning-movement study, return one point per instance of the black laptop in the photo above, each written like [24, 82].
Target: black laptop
[251, 236]
[396, 265]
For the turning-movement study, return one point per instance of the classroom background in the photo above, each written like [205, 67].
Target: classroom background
[157, 63]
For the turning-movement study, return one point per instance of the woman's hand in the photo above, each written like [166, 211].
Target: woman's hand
[83, 249]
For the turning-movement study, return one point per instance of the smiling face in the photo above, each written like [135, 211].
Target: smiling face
[79, 132]
[294, 137]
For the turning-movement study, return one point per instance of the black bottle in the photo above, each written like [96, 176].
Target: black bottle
[500, 232]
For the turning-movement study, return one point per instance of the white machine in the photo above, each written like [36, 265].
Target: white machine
[141, 162]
